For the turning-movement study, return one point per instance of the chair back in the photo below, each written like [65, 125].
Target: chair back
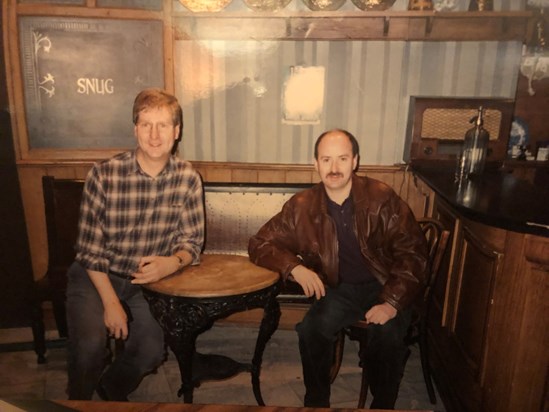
[62, 207]
[437, 240]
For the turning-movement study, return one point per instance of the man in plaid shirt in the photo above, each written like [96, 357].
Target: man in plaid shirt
[141, 219]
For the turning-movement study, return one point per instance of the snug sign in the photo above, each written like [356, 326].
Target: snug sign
[94, 86]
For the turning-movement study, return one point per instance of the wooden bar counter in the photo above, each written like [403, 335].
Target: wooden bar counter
[90, 406]
[490, 325]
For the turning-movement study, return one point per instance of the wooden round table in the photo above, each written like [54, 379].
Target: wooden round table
[187, 303]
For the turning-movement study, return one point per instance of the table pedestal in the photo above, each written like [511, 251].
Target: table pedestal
[183, 318]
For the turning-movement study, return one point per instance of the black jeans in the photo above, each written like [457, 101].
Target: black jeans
[386, 350]
[143, 349]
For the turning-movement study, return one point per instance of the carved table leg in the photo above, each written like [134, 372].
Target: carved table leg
[183, 346]
[182, 323]
[182, 342]
[269, 324]
[183, 319]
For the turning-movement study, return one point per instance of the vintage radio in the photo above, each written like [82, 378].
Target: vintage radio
[437, 125]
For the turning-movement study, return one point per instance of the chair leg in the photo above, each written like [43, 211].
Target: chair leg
[38, 331]
[364, 386]
[424, 355]
[364, 383]
[60, 315]
[339, 346]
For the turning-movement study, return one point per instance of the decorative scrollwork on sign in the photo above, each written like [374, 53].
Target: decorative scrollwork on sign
[48, 78]
[44, 42]
[41, 41]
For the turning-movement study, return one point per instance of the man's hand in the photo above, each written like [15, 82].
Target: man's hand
[309, 281]
[114, 315]
[154, 268]
[116, 320]
[381, 314]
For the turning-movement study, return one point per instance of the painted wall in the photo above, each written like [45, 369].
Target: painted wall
[231, 92]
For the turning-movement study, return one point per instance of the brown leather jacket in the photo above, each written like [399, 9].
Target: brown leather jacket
[391, 240]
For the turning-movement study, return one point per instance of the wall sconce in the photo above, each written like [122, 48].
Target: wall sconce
[535, 60]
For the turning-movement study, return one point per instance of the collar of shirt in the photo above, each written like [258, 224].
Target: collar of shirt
[346, 208]
[134, 167]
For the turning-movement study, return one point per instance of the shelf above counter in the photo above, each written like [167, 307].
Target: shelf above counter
[372, 25]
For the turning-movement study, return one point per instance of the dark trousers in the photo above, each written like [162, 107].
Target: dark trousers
[143, 350]
[386, 350]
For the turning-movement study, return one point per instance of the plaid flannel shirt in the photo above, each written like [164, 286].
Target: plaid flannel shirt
[126, 214]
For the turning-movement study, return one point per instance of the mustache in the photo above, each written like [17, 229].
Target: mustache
[334, 174]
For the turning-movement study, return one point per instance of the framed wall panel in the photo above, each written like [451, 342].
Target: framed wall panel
[80, 77]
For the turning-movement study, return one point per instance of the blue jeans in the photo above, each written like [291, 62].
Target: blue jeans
[143, 350]
[385, 352]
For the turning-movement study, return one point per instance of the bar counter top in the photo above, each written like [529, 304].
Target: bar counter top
[495, 198]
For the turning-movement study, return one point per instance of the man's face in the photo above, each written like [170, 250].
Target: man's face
[335, 162]
[156, 133]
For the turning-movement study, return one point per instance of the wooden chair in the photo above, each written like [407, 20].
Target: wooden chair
[62, 206]
[437, 240]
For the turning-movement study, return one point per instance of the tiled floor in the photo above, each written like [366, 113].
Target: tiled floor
[281, 379]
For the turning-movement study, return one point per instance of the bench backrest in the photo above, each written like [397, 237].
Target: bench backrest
[236, 211]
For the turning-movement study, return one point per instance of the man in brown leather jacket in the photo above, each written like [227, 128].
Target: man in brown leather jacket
[358, 237]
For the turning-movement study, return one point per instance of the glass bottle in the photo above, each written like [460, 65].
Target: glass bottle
[475, 146]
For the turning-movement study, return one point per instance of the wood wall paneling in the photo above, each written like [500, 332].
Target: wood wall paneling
[444, 290]
[533, 335]
[477, 273]
[517, 347]
[457, 377]
[420, 196]
[503, 340]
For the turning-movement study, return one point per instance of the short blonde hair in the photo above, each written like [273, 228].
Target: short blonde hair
[154, 98]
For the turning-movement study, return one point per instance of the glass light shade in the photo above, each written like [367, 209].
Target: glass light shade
[205, 5]
[373, 4]
[266, 5]
[324, 5]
